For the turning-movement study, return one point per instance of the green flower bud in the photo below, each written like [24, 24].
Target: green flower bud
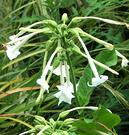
[74, 32]
[33, 130]
[76, 50]
[64, 17]
[41, 119]
[56, 62]
[50, 23]
[68, 121]
[48, 44]
[65, 133]
[64, 114]
[39, 127]
[51, 120]
[59, 49]
[76, 19]
[72, 129]
[47, 31]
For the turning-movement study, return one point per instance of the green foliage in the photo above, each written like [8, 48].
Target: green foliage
[101, 118]
[26, 69]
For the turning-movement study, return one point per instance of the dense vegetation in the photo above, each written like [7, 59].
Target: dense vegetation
[19, 90]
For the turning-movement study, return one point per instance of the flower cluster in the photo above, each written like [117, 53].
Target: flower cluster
[59, 62]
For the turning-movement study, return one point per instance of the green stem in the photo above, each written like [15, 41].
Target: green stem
[72, 74]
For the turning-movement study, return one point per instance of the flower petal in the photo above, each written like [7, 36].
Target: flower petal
[97, 81]
[43, 83]
[65, 96]
[12, 52]
[57, 70]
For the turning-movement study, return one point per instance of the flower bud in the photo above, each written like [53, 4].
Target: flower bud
[64, 114]
[59, 49]
[65, 133]
[33, 130]
[76, 19]
[41, 119]
[39, 127]
[48, 44]
[76, 50]
[74, 32]
[68, 121]
[50, 23]
[64, 17]
[72, 129]
[56, 62]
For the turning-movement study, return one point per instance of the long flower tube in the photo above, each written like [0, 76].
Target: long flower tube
[42, 81]
[77, 50]
[12, 47]
[66, 89]
[108, 46]
[97, 79]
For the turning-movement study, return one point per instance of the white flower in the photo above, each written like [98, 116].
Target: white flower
[65, 94]
[97, 79]
[124, 60]
[57, 71]
[14, 45]
[42, 81]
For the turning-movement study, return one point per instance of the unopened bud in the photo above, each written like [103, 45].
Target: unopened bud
[39, 127]
[68, 121]
[41, 119]
[59, 49]
[56, 62]
[64, 114]
[76, 50]
[76, 19]
[72, 129]
[64, 17]
[50, 23]
[74, 32]
[33, 130]
[48, 44]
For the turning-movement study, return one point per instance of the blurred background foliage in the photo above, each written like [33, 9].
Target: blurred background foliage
[23, 71]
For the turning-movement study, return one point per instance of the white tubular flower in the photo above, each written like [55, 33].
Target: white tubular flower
[107, 21]
[64, 94]
[57, 71]
[97, 79]
[124, 60]
[42, 81]
[13, 50]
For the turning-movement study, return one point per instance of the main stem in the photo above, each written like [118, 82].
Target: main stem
[72, 74]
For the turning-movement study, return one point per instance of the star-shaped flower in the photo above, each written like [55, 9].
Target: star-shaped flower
[65, 94]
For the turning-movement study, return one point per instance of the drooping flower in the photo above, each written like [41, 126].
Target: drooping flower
[57, 71]
[124, 60]
[42, 81]
[97, 79]
[14, 45]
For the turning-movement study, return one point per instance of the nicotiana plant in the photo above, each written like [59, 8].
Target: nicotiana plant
[60, 63]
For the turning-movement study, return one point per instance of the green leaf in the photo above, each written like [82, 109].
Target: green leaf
[108, 58]
[101, 115]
